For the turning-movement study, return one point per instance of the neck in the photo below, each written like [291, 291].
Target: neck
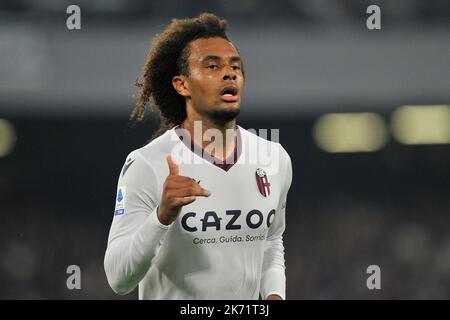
[199, 129]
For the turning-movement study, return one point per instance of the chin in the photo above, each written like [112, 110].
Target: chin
[225, 113]
[230, 106]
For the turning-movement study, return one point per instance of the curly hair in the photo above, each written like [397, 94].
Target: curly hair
[168, 58]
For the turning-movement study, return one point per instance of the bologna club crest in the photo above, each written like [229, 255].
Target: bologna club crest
[262, 182]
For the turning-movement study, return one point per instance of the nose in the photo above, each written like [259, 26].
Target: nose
[230, 75]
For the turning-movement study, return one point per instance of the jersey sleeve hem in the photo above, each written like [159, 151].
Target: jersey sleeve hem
[275, 292]
[155, 220]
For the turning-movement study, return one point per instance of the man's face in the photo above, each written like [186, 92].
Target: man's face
[215, 80]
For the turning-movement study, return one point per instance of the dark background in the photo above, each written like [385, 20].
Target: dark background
[67, 95]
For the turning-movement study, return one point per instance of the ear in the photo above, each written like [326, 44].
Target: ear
[181, 86]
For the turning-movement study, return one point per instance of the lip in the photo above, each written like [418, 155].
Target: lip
[229, 94]
[227, 98]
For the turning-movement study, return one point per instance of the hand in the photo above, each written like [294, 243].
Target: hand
[178, 191]
[274, 297]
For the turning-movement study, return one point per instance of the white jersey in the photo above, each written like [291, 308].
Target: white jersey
[225, 246]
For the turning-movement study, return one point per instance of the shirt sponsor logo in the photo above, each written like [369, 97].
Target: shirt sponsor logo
[120, 201]
[233, 220]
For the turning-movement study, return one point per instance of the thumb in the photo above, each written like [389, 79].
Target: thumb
[173, 167]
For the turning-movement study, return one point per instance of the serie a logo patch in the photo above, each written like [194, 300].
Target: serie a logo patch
[120, 201]
[262, 181]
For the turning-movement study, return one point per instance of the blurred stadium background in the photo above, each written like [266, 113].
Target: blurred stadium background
[364, 114]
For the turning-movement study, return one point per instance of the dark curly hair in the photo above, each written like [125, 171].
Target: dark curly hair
[168, 58]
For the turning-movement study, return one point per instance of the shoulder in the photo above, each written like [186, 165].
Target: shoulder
[260, 140]
[155, 152]
[153, 155]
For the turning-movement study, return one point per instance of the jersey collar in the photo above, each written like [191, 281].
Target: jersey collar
[224, 164]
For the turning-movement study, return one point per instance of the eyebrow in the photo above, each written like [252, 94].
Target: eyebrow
[217, 58]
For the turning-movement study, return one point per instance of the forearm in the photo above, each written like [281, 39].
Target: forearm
[128, 257]
[273, 279]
